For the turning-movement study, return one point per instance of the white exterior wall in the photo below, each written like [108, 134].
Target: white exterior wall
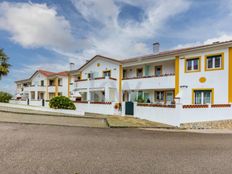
[36, 80]
[169, 116]
[215, 79]
[107, 109]
[205, 114]
[110, 86]
[98, 70]
[64, 88]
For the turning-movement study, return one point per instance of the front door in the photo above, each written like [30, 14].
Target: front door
[129, 110]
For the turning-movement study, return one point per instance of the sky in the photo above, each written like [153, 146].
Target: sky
[49, 34]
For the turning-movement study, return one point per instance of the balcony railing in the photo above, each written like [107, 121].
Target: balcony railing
[142, 77]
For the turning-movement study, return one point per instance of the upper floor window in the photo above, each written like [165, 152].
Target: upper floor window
[158, 70]
[214, 62]
[124, 73]
[192, 64]
[139, 72]
[107, 73]
[90, 76]
[42, 83]
[78, 76]
[51, 83]
[59, 82]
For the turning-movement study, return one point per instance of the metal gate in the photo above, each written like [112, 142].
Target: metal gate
[129, 110]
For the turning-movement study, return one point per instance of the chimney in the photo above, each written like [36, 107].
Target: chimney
[156, 47]
[72, 66]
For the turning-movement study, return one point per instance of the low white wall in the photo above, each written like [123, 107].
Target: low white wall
[169, 116]
[35, 102]
[39, 108]
[19, 102]
[205, 114]
[107, 109]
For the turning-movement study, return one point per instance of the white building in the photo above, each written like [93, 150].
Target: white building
[173, 87]
[43, 85]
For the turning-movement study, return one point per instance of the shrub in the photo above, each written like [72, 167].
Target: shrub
[5, 97]
[61, 102]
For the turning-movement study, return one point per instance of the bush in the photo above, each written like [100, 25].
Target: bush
[5, 97]
[61, 102]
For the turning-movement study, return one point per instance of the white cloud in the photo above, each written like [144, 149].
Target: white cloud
[36, 25]
[221, 38]
[118, 41]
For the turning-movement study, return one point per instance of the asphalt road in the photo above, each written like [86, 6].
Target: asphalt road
[29, 149]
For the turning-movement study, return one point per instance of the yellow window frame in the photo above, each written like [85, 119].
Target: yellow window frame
[214, 69]
[203, 89]
[190, 58]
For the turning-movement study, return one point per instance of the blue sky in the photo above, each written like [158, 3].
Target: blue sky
[48, 34]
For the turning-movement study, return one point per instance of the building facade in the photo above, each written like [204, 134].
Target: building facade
[173, 87]
[43, 85]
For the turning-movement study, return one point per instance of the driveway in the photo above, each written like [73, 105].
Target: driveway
[42, 149]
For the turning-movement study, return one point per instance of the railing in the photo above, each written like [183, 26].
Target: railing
[97, 78]
[163, 75]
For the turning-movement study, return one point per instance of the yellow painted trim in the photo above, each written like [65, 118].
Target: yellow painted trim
[214, 69]
[69, 81]
[202, 79]
[230, 76]
[106, 71]
[120, 83]
[192, 71]
[177, 75]
[47, 94]
[56, 86]
[203, 89]
[81, 75]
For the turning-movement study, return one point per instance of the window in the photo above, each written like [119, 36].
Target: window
[169, 96]
[124, 73]
[214, 62]
[107, 73]
[158, 70]
[42, 83]
[203, 96]
[90, 76]
[159, 96]
[78, 76]
[192, 64]
[139, 72]
[59, 82]
[51, 82]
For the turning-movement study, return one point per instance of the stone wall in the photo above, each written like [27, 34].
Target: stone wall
[220, 124]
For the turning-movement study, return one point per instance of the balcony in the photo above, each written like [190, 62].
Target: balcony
[166, 81]
[35, 88]
[99, 82]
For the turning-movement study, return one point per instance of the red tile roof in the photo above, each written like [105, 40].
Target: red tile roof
[48, 73]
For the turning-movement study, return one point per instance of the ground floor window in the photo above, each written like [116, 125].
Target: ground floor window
[203, 96]
[159, 96]
[166, 97]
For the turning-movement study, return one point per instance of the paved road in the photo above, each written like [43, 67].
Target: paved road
[29, 149]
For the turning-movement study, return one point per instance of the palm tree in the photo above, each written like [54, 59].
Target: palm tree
[4, 65]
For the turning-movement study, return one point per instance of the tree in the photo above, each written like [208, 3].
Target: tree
[4, 65]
